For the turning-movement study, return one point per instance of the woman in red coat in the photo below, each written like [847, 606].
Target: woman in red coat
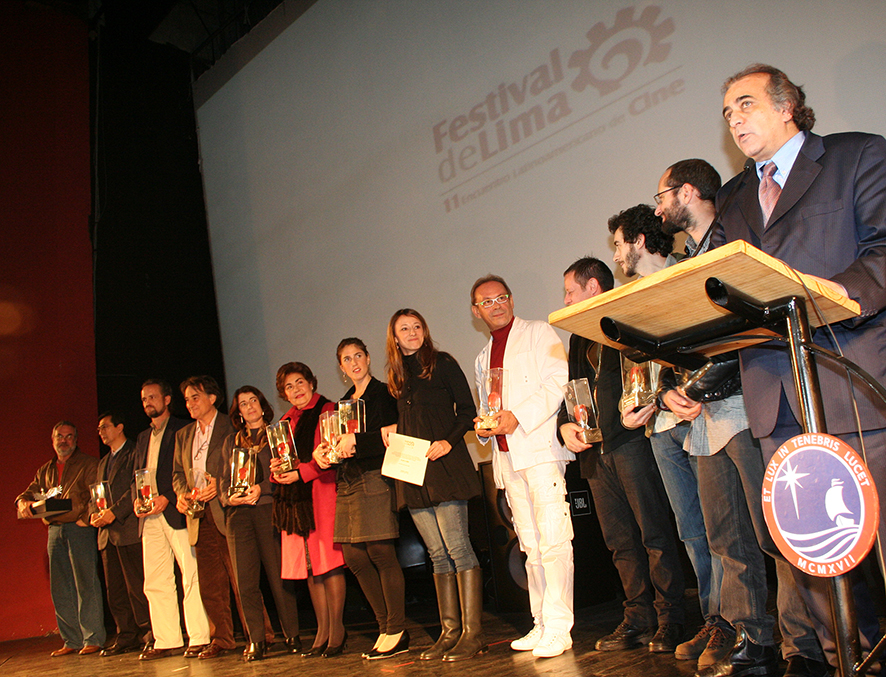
[304, 511]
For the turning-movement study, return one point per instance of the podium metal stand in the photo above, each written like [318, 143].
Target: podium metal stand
[726, 299]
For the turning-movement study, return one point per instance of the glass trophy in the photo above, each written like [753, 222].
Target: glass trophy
[581, 410]
[100, 493]
[493, 390]
[198, 482]
[330, 432]
[282, 446]
[637, 385]
[352, 415]
[242, 471]
[144, 491]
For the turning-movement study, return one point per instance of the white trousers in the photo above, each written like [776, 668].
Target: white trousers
[537, 499]
[162, 546]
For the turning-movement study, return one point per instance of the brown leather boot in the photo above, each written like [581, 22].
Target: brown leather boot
[471, 642]
[450, 618]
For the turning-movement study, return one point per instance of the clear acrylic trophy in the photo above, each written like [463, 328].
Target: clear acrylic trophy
[242, 471]
[493, 391]
[282, 446]
[637, 385]
[198, 482]
[100, 495]
[144, 491]
[352, 414]
[581, 410]
[330, 432]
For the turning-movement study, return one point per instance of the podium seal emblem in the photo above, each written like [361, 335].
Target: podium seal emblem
[820, 504]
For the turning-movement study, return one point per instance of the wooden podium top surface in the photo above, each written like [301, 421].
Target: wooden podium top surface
[674, 299]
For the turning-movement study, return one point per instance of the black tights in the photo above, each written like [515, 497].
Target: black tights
[378, 571]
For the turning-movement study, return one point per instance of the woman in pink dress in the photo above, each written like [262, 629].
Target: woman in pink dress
[304, 511]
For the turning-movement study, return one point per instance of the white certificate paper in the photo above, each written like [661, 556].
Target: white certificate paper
[406, 459]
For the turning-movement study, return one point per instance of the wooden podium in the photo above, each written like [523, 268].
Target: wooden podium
[727, 299]
[672, 302]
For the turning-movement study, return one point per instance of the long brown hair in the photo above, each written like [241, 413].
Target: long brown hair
[426, 354]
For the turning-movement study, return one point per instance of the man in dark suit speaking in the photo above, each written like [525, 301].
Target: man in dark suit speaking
[818, 204]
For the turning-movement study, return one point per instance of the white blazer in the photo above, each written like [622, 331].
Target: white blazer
[537, 371]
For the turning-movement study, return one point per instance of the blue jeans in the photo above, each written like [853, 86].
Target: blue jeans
[730, 485]
[444, 529]
[632, 509]
[74, 585]
[680, 477]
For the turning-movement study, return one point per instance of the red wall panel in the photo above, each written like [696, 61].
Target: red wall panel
[47, 345]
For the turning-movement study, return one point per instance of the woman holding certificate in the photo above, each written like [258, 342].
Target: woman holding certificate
[252, 539]
[304, 511]
[366, 522]
[435, 404]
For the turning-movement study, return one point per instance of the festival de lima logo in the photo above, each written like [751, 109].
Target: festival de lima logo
[820, 504]
[537, 102]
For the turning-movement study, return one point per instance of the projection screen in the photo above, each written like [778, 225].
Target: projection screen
[380, 154]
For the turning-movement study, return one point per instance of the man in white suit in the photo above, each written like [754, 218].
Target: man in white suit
[528, 462]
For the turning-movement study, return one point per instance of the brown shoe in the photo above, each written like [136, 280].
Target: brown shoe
[89, 648]
[212, 651]
[152, 653]
[194, 651]
[64, 651]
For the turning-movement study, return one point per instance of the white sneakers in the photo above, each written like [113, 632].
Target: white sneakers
[530, 641]
[552, 644]
[543, 644]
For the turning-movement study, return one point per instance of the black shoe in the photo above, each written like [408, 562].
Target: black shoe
[666, 638]
[116, 649]
[625, 636]
[314, 651]
[292, 645]
[402, 646]
[746, 658]
[338, 649]
[800, 666]
[254, 651]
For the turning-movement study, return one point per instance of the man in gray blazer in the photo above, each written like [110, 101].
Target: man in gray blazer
[199, 446]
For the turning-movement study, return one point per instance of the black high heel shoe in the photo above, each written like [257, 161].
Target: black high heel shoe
[336, 650]
[402, 646]
[315, 651]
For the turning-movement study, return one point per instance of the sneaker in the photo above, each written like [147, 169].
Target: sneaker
[719, 646]
[625, 636]
[691, 649]
[529, 641]
[552, 644]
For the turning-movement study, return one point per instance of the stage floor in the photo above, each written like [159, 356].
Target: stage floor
[31, 656]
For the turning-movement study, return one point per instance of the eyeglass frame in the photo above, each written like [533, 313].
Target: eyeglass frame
[489, 303]
[657, 197]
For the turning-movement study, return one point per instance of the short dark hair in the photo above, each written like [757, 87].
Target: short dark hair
[489, 278]
[116, 418]
[641, 220]
[267, 411]
[294, 368]
[697, 173]
[587, 268]
[784, 93]
[350, 341]
[165, 388]
[207, 384]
